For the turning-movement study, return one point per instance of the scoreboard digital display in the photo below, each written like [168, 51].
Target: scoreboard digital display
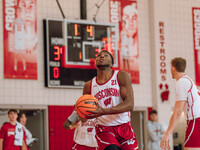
[71, 47]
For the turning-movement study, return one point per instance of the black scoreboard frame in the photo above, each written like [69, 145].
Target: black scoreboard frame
[68, 77]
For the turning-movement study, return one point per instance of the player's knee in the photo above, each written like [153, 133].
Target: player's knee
[112, 147]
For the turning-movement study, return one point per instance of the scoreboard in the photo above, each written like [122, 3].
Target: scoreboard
[71, 47]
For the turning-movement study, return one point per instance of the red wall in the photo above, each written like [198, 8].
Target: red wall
[59, 137]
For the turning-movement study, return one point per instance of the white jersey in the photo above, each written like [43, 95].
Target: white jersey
[108, 95]
[85, 133]
[187, 90]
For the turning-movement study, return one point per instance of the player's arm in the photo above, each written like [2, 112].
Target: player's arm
[70, 123]
[1, 144]
[67, 124]
[178, 109]
[126, 92]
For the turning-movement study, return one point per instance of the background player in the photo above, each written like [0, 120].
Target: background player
[188, 99]
[84, 134]
[114, 92]
[155, 131]
[8, 133]
[29, 138]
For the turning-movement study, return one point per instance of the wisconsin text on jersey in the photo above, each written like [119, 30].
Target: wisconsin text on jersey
[106, 93]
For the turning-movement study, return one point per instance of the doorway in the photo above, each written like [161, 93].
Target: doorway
[35, 124]
[138, 123]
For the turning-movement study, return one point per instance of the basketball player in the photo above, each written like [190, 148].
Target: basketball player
[84, 134]
[187, 99]
[114, 92]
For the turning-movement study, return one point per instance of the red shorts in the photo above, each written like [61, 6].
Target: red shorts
[122, 136]
[192, 136]
[82, 147]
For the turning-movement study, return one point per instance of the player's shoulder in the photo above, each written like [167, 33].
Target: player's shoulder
[123, 73]
[184, 79]
[5, 125]
[149, 123]
[86, 89]
[87, 83]
[123, 76]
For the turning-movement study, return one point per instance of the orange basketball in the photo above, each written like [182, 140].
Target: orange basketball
[85, 103]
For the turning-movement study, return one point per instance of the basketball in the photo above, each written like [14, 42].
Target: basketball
[85, 103]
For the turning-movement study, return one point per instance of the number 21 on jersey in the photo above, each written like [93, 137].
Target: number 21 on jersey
[113, 82]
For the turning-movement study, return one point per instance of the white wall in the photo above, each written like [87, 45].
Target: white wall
[33, 92]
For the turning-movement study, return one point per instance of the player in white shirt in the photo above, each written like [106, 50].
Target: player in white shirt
[187, 100]
[84, 134]
[114, 92]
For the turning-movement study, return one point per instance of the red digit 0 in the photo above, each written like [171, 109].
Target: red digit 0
[56, 72]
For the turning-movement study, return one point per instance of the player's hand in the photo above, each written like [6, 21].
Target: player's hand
[94, 114]
[164, 144]
[73, 125]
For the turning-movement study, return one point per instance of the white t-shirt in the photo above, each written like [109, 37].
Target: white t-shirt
[187, 90]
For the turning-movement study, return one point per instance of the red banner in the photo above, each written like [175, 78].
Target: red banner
[124, 13]
[196, 40]
[20, 39]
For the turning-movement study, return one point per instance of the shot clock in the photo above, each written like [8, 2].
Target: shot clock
[71, 47]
